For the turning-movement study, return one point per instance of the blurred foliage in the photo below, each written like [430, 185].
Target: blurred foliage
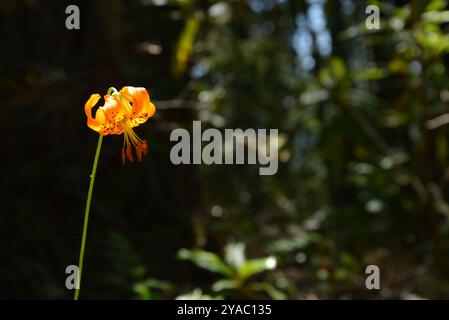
[362, 116]
[236, 269]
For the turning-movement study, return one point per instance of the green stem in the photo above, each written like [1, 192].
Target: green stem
[86, 217]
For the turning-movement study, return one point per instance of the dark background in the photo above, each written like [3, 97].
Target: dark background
[363, 162]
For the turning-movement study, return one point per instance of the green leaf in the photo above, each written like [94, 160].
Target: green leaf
[144, 288]
[435, 17]
[235, 254]
[254, 266]
[185, 45]
[370, 74]
[436, 5]
[224, 285]
[269, 289]
[206, 260]
[197, 294]
[338, 68]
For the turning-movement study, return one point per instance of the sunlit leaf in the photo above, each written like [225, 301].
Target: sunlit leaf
[254, 266]
[269, 289]
[206, 260]
[224, 285]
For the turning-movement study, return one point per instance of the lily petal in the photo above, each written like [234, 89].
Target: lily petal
[92, 123]
[113, 108]
[142, 108]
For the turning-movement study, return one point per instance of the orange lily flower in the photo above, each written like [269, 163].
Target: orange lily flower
[121, 112]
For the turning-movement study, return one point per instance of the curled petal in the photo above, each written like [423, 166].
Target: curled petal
[142, 108]
[113, 109]
[92, 123]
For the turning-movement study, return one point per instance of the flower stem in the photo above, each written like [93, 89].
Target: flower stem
[86, 217]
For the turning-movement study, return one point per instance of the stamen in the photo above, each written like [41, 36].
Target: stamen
[123, 155]
[130, 137]
[139, 154]
[129, 153]
[145, 147]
